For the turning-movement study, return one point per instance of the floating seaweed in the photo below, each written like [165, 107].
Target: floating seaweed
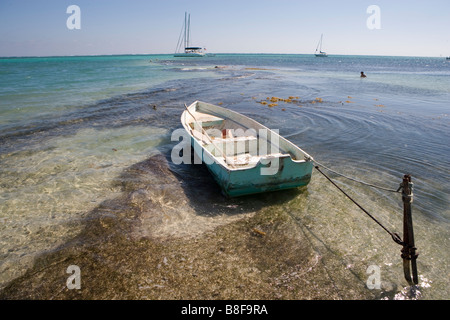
[273, 101]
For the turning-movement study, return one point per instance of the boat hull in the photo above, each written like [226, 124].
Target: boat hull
[250, 181]
[235, 182]
[192, 55]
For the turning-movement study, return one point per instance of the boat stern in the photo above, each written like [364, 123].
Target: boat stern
[276, 174]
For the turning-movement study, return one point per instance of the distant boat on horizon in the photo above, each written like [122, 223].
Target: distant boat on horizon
[319, 48]
[189, 51]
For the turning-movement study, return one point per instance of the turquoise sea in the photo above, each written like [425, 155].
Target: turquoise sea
[76, 131]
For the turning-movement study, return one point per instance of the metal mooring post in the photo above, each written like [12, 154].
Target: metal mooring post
[409, 254]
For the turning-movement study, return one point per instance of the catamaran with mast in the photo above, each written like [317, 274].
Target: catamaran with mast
[184, 39]
[319, 48]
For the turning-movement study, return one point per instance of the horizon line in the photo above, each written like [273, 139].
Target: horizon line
[220, 53]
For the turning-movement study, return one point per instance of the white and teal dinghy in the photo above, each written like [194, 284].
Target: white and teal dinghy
[244, 156]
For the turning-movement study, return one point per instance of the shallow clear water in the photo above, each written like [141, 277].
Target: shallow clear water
[72, 127]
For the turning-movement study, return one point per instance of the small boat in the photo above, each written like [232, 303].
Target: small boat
[319, 48]
[243, 156]
[188, 51]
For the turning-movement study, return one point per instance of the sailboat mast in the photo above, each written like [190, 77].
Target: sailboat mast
[185, 30]
[186, 33]
[189, 30]
[320, 43]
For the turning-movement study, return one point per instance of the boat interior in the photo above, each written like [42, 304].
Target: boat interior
[238, 145]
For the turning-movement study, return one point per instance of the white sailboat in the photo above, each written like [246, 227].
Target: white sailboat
[319, 48]
[183, 47]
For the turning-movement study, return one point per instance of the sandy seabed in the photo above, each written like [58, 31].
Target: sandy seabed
[262, 252]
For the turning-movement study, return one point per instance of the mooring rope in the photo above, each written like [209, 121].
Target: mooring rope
[394, 236]
[355, 180]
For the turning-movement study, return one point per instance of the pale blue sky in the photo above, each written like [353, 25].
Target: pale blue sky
[410, 28]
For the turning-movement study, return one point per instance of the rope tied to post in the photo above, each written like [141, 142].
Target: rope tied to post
[356, 180]
[409, 254]
[397, 239]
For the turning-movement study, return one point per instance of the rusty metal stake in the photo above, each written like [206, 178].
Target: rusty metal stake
[409, 254]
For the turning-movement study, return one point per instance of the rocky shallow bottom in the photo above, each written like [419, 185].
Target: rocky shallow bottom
[259, 251]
